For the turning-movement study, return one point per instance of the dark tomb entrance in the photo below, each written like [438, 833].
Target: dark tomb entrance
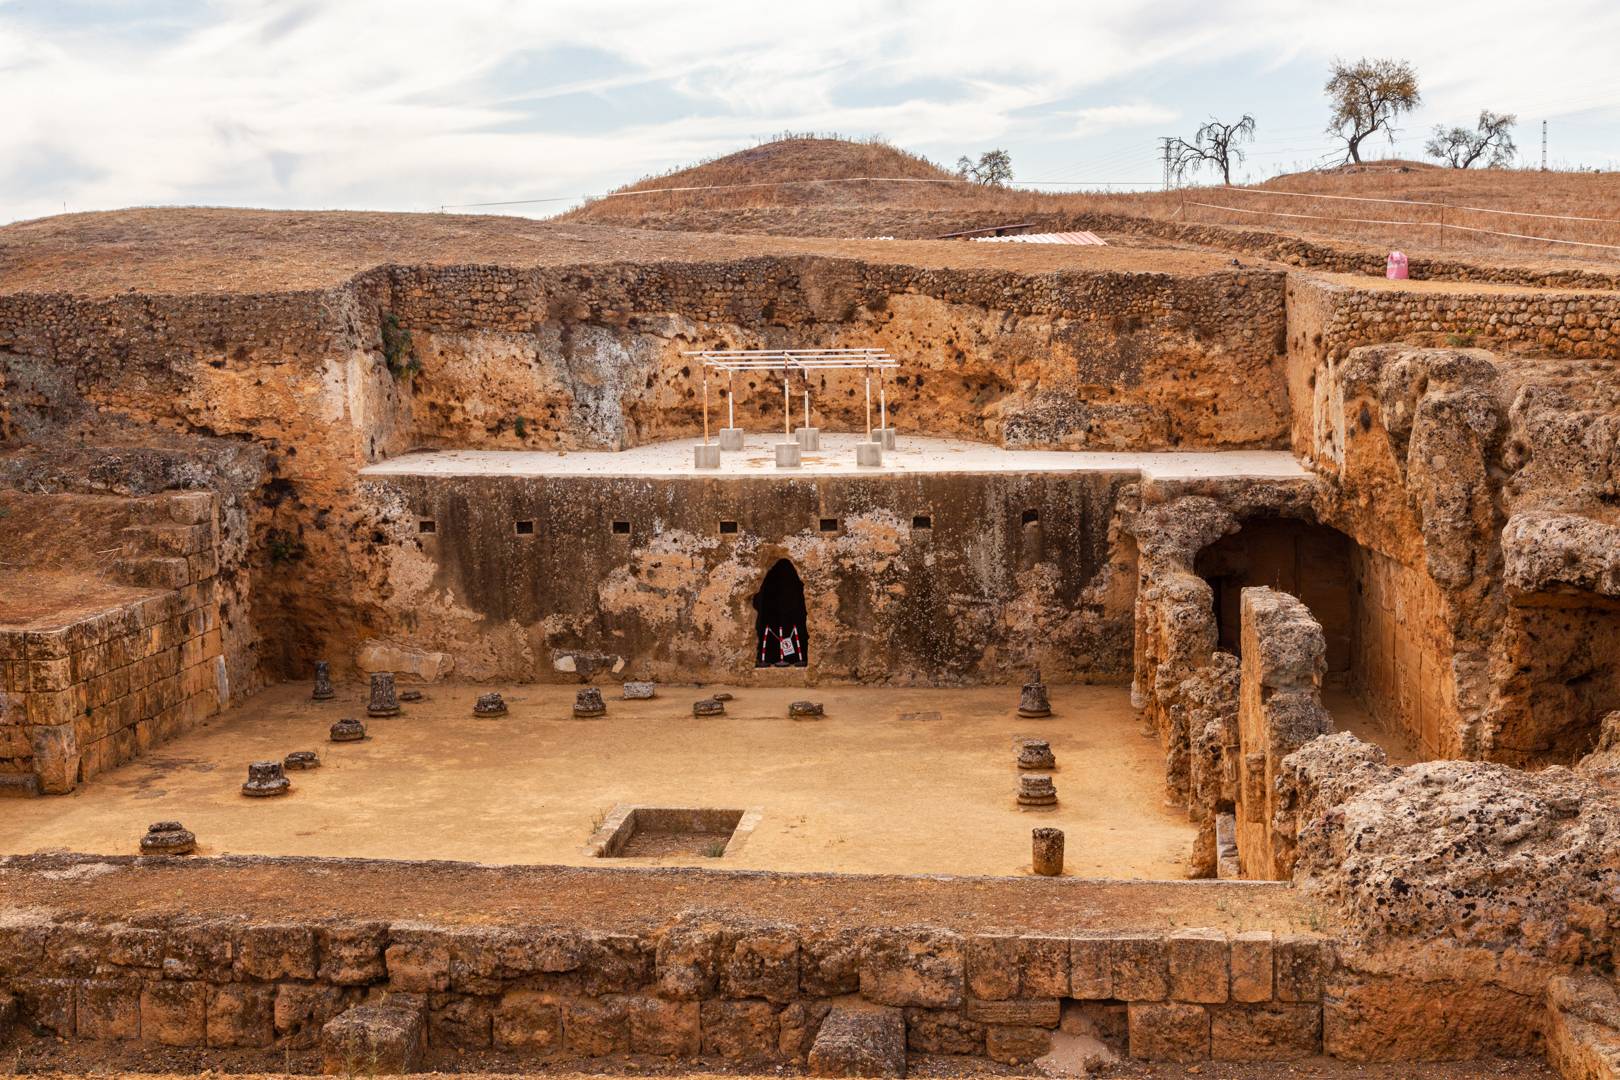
[781, 637]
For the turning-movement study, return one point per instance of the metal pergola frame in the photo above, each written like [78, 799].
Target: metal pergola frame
[732, 361]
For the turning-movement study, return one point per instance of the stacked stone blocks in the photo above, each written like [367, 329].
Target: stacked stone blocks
[700, 987]
[82, 698]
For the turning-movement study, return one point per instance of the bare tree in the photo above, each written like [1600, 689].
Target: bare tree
[994, 168]
[1368, 96]
[1491, 140]
[1214, 144]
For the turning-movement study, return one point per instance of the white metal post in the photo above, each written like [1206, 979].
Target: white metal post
[731, 399]
[883, 401]
[787, 401]
[868, 404]
[705, 406]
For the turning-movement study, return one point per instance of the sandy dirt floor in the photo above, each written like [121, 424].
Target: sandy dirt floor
[867, 789]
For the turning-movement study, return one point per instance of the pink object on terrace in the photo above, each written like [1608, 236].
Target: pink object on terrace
[1395, 266]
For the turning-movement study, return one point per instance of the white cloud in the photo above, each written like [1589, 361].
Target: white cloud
[408, 104]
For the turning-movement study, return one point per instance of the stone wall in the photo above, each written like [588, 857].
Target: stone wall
[925, 579]
[1279, 710]
[702, 987]
[117, 666]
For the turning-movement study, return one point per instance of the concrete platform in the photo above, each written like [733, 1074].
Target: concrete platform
[913, 454]
[878, 786]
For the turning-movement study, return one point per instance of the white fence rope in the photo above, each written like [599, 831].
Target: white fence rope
[1420, 202]
[1417, 224]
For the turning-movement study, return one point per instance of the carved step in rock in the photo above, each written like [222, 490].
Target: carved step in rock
[860, 1040]
[265, 778]
[1032, 702]
[373, 1040]
[1036, 754]
[384, 701]
[348, 729]
[805, 710]
[1036, 789]
[168, 838]
[709, 707]
[488, 705]
[300, 760]
[323, 682]
[588, 703]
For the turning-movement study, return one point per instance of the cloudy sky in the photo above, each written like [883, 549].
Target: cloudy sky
[413, 105]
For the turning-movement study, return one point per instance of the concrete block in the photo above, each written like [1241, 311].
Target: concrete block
[788, 455]
[869, 454]
[884, 437]
[706, 456]
[732, 439]
[808, 438]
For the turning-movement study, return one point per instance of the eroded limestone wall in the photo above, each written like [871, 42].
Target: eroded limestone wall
[1279, 710]
[588, 357]
[922, 579]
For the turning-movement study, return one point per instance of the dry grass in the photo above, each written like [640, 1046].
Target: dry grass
[1261, 206]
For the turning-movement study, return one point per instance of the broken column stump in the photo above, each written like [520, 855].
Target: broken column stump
[372, 1040]
[265, 779]
[489, 705]
[640, 691]
[323, 682]
[1047, 852]
[708, 707]
[384, 701]
[299, 760]
[1036, 789]
[1032, 701]
[588, 703]
[805, 710]
[860, 1040]
[347, 729]
[1036, 754]
[168, 838]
